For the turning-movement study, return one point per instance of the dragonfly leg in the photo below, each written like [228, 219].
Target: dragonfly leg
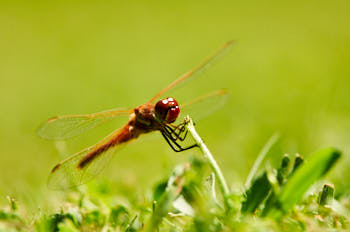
[177, 135]
[179, 132]
[182, 128]
[172, 141]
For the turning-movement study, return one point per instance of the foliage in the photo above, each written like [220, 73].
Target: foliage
[277, 199]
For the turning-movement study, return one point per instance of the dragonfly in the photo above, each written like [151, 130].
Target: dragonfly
[158, 114]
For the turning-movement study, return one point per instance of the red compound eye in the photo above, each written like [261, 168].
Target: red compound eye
[167, 110]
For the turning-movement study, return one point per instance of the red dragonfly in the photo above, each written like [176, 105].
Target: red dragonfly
[155, 115]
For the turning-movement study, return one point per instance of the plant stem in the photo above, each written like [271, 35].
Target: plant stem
[216, 169]
[260, 158]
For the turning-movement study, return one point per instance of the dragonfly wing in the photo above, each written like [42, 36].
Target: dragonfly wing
[196, 70]
[205, 105]
[67, 126]
[84, 165]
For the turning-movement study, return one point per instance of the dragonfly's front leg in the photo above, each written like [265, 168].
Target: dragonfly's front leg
[174, 144]
[181, 130]
[176, 134]
[178, 131]
[172, 135]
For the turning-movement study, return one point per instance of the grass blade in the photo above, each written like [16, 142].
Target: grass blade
[264, 151]
[326, 194]
[256, 194]
[307, 174]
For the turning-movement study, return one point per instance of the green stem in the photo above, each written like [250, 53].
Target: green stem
[274, 138]
[222, 183]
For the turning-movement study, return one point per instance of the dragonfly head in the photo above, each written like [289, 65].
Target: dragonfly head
[167, 110]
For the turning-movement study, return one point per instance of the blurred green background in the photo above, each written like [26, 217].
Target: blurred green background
[288, 72]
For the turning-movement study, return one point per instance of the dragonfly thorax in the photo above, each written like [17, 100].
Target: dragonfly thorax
[145, 114]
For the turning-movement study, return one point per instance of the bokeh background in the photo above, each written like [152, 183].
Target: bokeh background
[288, 72]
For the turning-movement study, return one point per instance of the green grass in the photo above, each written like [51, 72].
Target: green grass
[189, 200]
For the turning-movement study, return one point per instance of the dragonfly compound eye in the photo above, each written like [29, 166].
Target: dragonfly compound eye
[167, 110]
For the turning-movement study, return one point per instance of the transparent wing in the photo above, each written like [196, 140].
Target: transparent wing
[67, 126]
[84, 165]
[196, 70]
[203, 106]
